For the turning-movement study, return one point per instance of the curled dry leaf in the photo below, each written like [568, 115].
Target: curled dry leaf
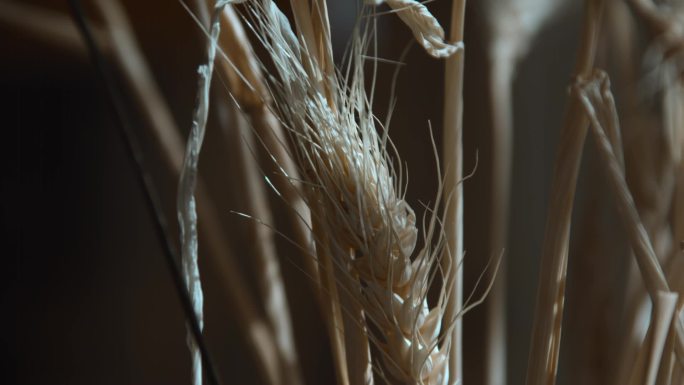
[424, 25]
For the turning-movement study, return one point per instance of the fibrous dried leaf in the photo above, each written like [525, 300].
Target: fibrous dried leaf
[425, 27]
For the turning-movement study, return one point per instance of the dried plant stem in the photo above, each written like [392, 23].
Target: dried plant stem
[651, 271]
[502, 66]
[249, 89]
[131, 61]
[321, 30]
[274, 139]
[677, 375]
[667, 366]
[452, 158]
[270, 281]
[600, 249]
[264, 255]
[652, 174]
[309, 41]
[645, 370]
[253, 99]
[346, 336]
[593, 340]
[668, 42]
[546, 330]
[342, 326]
[129, 57]
[355, 334]
[356, 344]
[334, 318]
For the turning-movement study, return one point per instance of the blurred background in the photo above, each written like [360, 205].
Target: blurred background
[87, 297]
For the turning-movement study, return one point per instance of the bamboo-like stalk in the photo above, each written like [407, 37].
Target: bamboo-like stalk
[546, 330]
[163, 129]
[452, 158]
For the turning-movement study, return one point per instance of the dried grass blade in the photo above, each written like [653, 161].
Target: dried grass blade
[131, 62]
[424, 26]
[187, 212]
[546, 330]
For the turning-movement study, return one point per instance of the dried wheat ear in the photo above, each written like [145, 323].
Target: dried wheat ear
[365, 231]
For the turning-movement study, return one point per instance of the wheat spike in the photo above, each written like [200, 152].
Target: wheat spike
[361, 221]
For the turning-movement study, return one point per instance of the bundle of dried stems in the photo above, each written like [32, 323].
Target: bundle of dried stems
[388, 282]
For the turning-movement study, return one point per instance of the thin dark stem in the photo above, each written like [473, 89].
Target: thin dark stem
[151, 194]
